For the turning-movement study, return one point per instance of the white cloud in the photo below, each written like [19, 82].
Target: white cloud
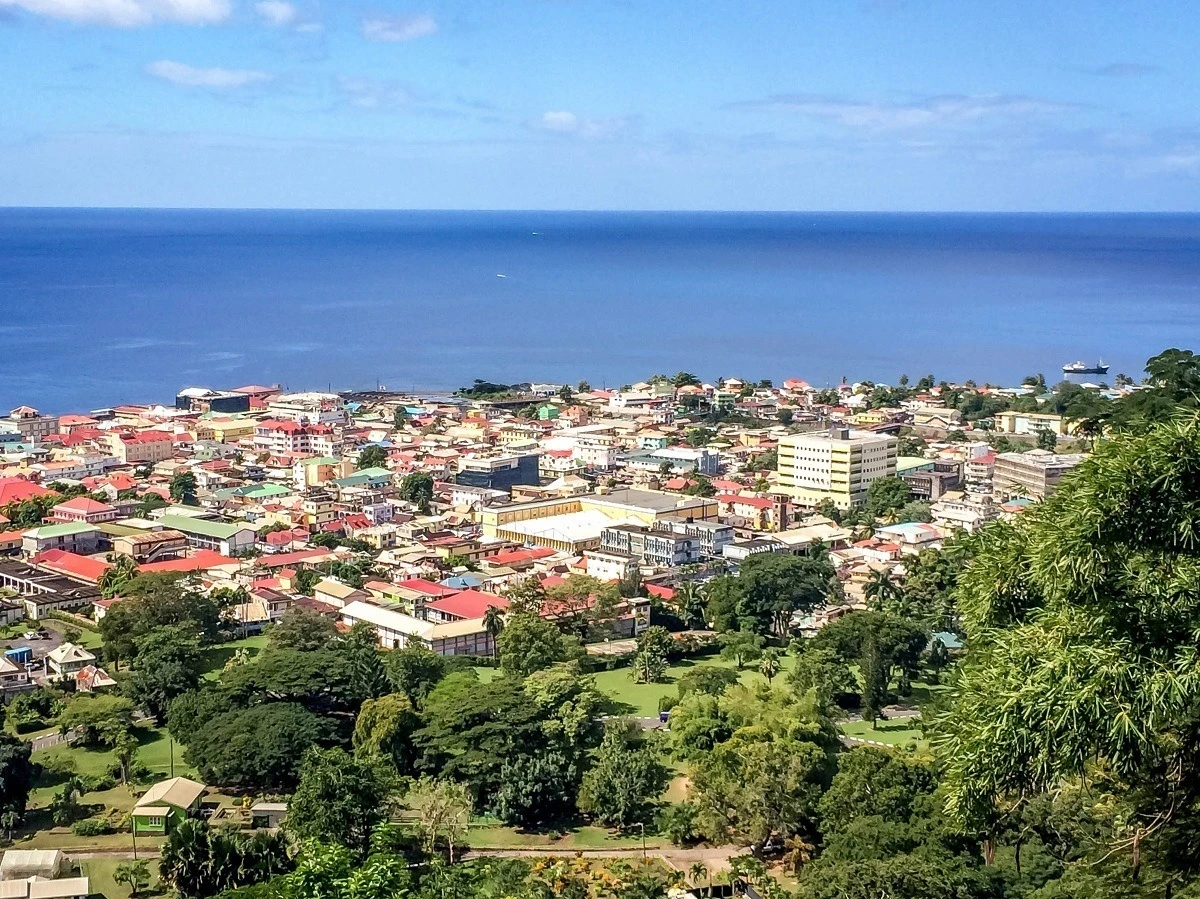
[190, 76]
[369, 93]
[398, 28]
[276, 12]
[560, 121]
[941, 111]
[127, 13]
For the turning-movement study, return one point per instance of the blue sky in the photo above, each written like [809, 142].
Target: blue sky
[602, 104]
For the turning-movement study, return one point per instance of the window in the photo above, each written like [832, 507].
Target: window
[155, 821]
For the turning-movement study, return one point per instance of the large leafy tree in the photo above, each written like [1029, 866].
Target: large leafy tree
[259, 747]
[16, 775]
[340, 799]
[768, 590]
[198, 861]
[530, 643]
[1082, 617]
[151, 601]
[626, 777]
[168, 665]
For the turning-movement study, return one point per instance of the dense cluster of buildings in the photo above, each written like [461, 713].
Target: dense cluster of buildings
[449, 500]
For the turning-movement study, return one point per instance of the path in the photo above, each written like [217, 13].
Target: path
[55, 739]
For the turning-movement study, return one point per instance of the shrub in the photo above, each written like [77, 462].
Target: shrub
[92, 827]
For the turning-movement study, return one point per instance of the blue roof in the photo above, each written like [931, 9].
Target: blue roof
[462, 581]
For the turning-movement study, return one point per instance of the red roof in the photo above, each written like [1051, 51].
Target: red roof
[468, 604]
[757, 502]
[302, 555]
[517, 556]
[429, 588]
[71, 564]
[16, 490]
[84, 504]
[148, 437]
[203, 558]
[660, 591]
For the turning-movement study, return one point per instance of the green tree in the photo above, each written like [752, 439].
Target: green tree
[1084, 612]
[153, 601]
[886, 495]
[101, 719]
[372, 456]
[710, 679]
[259, 747]
[339, 799]
[384, 729]
[417, 488]
[198, 861]
[530, 643]
[116, 578]
[537, 788]
[768, 665]
[136, 875]
[625, 779]
[1047, 439]
[168, 664]
[415, 670]
[303, 630]
[444, 810]
[183, 488]
[16, 776]
[741, 647]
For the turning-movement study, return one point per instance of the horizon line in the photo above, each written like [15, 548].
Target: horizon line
[608, 210]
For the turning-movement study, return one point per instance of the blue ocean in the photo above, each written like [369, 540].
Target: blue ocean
[102, 306]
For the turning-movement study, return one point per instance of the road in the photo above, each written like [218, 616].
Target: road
[55, 739]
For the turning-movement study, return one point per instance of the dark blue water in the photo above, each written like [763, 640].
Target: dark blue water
[105, 306]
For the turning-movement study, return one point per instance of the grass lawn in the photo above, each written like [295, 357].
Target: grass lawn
[901, 732]
[89, 638]
[641, 700]
[495, 836]
[215, 657]
[100, 871]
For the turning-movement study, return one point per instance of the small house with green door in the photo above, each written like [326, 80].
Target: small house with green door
[165, 804]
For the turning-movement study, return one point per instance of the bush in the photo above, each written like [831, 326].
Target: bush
[666, 702]
[680, 823]
[58, 768]
[95, 783]
[92, 827]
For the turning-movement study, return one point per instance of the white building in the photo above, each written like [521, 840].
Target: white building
[838, 465]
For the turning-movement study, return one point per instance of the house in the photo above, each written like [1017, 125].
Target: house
[66, 661]
[142, 447]
[268, 814]
[84, 509]
[165, 804]
[13, 674]
[41, 592]
[78, 537]
[226, 539]
[92, 679]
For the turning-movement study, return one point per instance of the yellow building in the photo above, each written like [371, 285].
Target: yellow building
[838, 466]
[574, 523]
[1032, 422]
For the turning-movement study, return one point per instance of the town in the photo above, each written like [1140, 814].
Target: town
[552, 610]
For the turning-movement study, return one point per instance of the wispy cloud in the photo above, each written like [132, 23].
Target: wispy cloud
[372, 93]
[1124, 70]
[930, 112]
[127, 13]
[277, 12]
[561, 121]
[218, 79]
[394, 29]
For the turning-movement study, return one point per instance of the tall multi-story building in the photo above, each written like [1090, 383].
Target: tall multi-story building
[30, 424]
[838, 465]
[284, 436]
[1035, 474]
[499, 472]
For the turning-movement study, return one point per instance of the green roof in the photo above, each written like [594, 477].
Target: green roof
[218, 530]
[62, 530]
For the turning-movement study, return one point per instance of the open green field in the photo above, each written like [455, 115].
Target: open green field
[89, 637]
[100, 871]
[641, 700]
[216, 657]
[900, 732]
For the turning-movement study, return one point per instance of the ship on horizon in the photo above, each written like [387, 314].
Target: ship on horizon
[1082, 368]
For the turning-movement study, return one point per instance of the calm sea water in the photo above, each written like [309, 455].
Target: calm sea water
[105, 306]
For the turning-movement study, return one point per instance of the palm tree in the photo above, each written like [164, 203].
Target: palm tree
[881, 590]
[493, 623]
[698, 870]
[124, 569]
[692, 600]
[8, 820]
[769, 666]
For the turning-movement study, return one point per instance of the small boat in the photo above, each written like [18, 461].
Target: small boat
[1081, 368]
[500, 275]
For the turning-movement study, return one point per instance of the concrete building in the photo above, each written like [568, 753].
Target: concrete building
[142, 447]
[285, 436]
[42, 592]
[201, 399]
[500, 472]
[226, 539]
[682, 459]
[660, 549]
[714, 536]
[75, 537]
[574, 523]
[1035, 474]
[30, 424]
[838, 466]
[1030, 423]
